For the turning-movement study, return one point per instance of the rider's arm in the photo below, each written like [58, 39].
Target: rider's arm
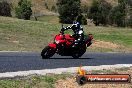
[68, 27]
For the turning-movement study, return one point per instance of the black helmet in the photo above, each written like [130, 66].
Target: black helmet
[76, 24]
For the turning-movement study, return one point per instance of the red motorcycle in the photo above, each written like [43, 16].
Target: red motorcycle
[63, 43]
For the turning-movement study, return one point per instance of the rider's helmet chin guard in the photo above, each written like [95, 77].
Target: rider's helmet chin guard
[76, 24]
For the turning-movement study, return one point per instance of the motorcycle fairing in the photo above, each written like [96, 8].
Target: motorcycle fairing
[60, 38]
[89, 39]
[52, 45]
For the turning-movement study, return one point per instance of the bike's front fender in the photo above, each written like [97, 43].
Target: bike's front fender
[52, 45]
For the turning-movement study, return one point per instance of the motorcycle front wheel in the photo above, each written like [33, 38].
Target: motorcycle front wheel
[47, 52]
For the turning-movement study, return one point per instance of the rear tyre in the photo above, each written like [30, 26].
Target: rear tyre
[78, 52]
[47, 52]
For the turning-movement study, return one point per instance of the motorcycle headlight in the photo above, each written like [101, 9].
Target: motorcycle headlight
[56, 41]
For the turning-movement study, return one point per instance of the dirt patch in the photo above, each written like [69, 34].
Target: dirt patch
[71, 82]
[12, 39]
[103, 44]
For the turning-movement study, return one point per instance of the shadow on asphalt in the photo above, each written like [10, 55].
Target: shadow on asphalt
[70, 58]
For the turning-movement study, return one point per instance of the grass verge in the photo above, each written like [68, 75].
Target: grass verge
[21, 35]
[36, 81]
[63, 80]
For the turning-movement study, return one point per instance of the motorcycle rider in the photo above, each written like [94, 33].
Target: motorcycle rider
[78, 33]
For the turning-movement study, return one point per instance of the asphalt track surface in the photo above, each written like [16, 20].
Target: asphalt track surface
[24, 61]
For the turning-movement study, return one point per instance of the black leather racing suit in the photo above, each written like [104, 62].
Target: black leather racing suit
[78, 33]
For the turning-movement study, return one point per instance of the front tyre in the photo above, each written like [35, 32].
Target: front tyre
[47, 52]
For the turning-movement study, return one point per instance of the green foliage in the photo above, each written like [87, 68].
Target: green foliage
[84, 9]
[117, 17]
[53, 8]
[121, 14]
[5, 9]
[68, 10]
[130, 20]
[94, 12]
[18, 12]
[23, 11]
[129, 13]
[82, 20]
[99, 12]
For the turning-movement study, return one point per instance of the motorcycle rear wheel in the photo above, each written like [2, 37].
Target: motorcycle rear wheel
[47, 52]
[78, 52]
[76, 55]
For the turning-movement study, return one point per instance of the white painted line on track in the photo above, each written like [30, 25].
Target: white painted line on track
[60, 70]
